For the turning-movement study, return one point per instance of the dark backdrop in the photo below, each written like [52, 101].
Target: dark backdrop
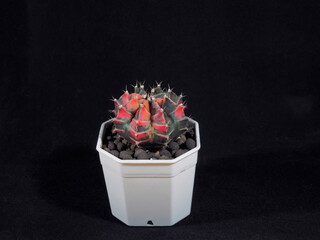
[250, 70]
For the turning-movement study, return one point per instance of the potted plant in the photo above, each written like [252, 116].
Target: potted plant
[148, 153]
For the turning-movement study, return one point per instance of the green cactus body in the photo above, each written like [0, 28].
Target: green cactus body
[150, 120]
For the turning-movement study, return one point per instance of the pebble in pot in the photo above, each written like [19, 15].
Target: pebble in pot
[142, 155]
[125, 155]
[138, 151]
[115, 153]
[165, 152]
[173, 146]
[181, 140]
[111, 145]
[190, 143]
[120, 146]
[109, 138]
[180, 152]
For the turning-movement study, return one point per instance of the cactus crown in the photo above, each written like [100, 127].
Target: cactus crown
[150, 119]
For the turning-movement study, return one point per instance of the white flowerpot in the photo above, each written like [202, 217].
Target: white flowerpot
[149, 192]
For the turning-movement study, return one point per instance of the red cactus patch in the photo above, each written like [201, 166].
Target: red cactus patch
[133, 105]
[179, 113]
[123, 114]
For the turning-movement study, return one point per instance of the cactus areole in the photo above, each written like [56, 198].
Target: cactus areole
[150, 120]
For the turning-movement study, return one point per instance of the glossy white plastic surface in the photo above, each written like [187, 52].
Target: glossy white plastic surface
[149, 192]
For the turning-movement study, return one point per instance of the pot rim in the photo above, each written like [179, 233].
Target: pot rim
[147, 161]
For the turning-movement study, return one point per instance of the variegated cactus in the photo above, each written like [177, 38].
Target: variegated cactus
[150, 120]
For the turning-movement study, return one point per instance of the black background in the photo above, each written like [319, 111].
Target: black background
[250, 70]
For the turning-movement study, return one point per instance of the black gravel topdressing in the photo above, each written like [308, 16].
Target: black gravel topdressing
[123, 149]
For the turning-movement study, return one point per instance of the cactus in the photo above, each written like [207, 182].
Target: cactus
[150, 120]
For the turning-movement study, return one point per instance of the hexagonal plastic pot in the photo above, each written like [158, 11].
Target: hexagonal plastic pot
[149, 192]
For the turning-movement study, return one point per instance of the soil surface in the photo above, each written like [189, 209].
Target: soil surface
[123, 149]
